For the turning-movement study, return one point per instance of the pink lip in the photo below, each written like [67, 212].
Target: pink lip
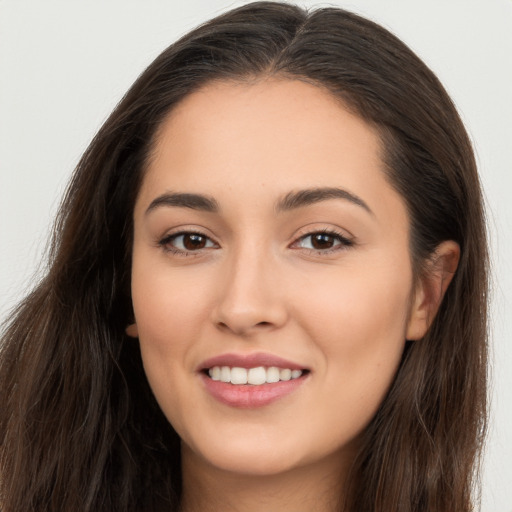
[249, 361]
[248, 396]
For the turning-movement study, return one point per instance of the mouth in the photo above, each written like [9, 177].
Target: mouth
[251, 380]
[256, 376]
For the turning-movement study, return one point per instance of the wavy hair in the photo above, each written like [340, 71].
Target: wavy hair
[80, 429]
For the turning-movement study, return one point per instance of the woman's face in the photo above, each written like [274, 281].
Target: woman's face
[266, 236]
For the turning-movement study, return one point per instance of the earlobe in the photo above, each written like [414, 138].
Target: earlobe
[132, 330]
[431, 288]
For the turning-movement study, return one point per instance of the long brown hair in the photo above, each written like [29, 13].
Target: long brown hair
[80, 429]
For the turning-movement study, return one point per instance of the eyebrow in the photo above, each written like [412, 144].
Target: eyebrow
[184, 200]
[291, 201]
[309, 196]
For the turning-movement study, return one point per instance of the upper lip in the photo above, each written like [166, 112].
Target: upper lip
[249, 361]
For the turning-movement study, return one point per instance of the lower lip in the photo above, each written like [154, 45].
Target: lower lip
[246, 396]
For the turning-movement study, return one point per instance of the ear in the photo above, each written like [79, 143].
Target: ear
[132, 331]
[431, 288]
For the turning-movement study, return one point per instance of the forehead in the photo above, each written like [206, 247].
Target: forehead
[271, 137]
[274, 114]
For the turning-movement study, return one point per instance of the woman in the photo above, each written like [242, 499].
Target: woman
[267, 287]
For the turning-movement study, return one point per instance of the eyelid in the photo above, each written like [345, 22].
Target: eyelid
[323, 227]
[164, 241]
[345, 241]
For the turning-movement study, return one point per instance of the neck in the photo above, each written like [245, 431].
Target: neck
[316, 487]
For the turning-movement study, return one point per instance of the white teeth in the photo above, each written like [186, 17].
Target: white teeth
[285, 374]
[254, 376]
[257, 376]
[225, 374]
[296, 374]
[272, 374]
[215, 373]
[238, 376]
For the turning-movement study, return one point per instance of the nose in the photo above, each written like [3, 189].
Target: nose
[250, 298]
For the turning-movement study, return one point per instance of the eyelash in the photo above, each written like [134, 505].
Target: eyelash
[165, 243]
[344, 242]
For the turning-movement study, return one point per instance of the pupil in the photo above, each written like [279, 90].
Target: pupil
[194, 242]
[322, 241]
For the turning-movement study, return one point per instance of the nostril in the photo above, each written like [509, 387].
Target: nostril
[222, 325]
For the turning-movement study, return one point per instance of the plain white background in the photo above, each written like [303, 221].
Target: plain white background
[65, 64]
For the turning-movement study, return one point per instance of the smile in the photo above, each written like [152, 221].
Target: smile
[251, 380]
[253, 376]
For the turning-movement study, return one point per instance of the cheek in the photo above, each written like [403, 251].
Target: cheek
[170, 313]
[169, 307]
[167, 322]
[363, 304]
[360, 329]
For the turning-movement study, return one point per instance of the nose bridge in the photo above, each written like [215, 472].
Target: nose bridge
[249, 297]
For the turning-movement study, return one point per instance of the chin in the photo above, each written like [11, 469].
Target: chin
[247, 457]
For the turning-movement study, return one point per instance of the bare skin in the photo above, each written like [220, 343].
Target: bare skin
[314, 488]
[265, 225]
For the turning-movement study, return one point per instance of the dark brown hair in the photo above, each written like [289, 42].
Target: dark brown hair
[80, 429]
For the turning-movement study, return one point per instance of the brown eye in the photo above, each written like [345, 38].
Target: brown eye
[192, 241]
[187, 242]
[323, 241]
